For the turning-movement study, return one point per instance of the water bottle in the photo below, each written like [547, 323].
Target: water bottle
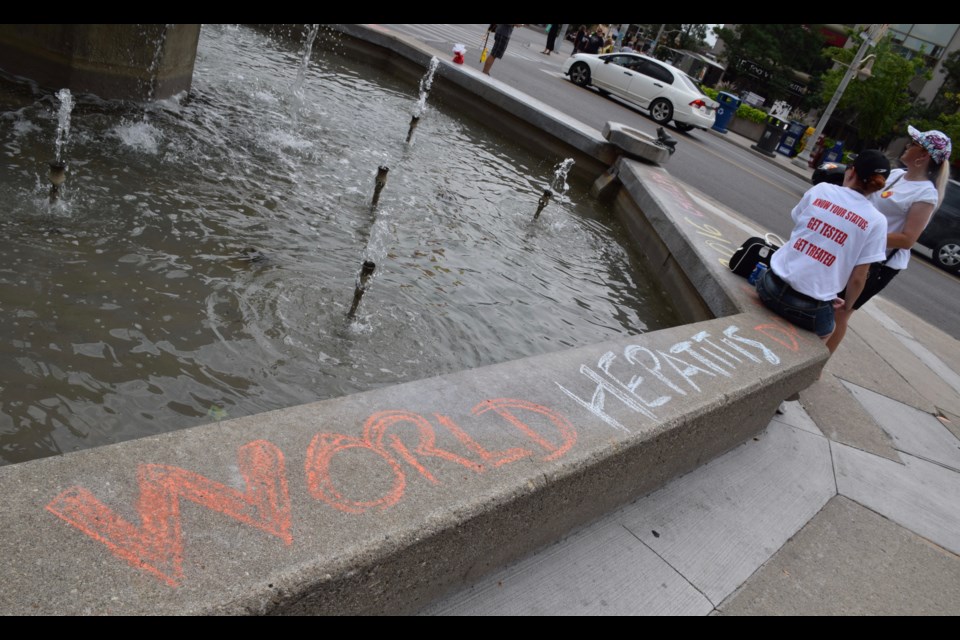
[757, 273]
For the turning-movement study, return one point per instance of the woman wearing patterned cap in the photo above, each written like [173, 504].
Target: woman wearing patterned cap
[908, 201]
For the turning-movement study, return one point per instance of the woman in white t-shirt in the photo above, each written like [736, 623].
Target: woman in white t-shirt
[908, 201]
[837, 234]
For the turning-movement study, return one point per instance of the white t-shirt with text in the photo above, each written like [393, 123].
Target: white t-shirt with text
[835, 229]
[895, 201]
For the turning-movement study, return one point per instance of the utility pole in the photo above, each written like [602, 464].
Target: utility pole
[874, 32]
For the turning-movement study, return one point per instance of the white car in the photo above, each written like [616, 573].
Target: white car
[668, 93]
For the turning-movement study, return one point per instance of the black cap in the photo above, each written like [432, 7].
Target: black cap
[871, 162]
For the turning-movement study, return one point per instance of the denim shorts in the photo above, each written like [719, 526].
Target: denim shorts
[801, 310]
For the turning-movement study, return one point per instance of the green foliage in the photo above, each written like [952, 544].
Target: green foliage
[777, 48]
[752, 114]
[877, 104]
[744, 111]
[947, 121]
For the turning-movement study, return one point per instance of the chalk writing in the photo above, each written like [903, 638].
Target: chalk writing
[156, 545]
[715, 240]
[375, 439]
[777, 329]
[680, 197]
[655, 377]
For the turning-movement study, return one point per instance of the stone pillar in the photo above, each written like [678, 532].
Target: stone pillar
[126, 61]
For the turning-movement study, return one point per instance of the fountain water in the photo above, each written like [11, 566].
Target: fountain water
[58, 168]
[557, 186]
[311, 35]
[63, 121]
[425, 83]
[138, 317]
[154, 69]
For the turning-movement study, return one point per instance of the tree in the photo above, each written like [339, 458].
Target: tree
[768, 53]
[876, 106]
[945, 101]
[691, 37]
[946, 119]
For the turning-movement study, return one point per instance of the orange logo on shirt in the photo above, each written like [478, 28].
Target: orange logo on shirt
[886, 194]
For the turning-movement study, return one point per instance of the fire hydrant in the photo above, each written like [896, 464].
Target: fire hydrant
[458, 51]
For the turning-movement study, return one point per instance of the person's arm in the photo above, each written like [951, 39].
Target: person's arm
[917, 218]
[858, 278]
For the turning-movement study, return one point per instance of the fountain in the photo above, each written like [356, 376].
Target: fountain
[197, 276]
[152, 305]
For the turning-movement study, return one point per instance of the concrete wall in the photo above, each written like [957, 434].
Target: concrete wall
[380, 502]
[112, 61]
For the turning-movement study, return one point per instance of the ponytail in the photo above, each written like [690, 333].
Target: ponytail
[874, 183]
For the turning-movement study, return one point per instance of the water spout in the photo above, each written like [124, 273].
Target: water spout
[414, 121]
[366, 270]
[558, 186]
[544, 200]
[58, 175]
[380, 183]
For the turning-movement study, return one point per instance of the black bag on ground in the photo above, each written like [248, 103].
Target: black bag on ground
[753, 251]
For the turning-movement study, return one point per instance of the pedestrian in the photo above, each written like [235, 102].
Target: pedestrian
[607, 45]
[837, 234]
[552, 31]
[594, 42]
[501, 38]
[908, 201]
[580, 39]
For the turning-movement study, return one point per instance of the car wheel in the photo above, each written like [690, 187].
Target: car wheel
[684, 127]
[946, 255]
[661, 111]
[580, 74]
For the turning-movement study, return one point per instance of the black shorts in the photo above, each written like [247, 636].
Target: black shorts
[499, 46]
[879, 276]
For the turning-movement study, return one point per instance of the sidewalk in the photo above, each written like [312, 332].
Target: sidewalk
[847, 504]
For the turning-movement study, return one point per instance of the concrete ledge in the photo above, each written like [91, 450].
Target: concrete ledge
[636, 144]
[379, 503]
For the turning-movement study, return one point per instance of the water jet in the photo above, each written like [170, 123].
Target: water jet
[366, 271]
[379, 183]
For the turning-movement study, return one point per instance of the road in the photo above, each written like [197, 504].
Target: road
[737, 178]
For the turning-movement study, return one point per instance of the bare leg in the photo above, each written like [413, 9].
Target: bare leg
[842, 318]
[487, 64]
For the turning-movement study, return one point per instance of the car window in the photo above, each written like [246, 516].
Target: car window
[690, 83]
[654, 70]
[619, 59]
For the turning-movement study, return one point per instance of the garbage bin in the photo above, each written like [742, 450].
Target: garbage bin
[834, 154]
[771, 136]
[729, 104]
[791, 138]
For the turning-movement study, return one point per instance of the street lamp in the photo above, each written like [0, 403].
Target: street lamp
[873, 34]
